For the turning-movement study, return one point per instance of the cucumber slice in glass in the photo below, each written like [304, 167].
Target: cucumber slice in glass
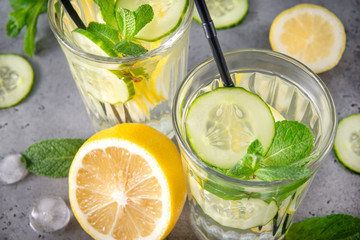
[241, 214]
[168, 15]
[225, 13]
[16, 79]
[108, 86]
[347, 142]
[222, 123]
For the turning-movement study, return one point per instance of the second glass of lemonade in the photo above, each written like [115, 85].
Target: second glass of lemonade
[152, 78]
[223, 207]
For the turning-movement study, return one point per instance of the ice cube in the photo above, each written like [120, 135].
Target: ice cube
[49, 214]
[11, 169]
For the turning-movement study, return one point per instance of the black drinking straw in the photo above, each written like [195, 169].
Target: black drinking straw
[73, 14]
[211, 35]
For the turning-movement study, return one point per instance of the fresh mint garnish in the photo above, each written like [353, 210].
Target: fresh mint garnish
[292, 141]
[130, 23]
[335, 226]
[26, 12]
[143, 15]
[272, 173]
[121, 27]
[129, 48]
[107, 9]
[107, 34]
[245, 168]
[285, 159]
[51, 158]
[126, 22]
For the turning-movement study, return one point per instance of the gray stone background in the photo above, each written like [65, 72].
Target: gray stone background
[54, 110]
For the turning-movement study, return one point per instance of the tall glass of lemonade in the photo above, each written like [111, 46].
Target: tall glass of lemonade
[250, 205]
[130, 85]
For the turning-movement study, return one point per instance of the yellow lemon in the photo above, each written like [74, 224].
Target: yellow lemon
[311, 34]
[127, 182]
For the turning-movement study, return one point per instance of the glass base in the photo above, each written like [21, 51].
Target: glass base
[206, 228]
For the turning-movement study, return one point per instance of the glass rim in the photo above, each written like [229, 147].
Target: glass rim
[194, 157]
[175, 36]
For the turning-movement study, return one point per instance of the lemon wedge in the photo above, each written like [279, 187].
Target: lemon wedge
[311, 34]
[126, 182]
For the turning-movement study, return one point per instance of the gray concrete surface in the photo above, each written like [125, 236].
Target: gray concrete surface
[54, 110]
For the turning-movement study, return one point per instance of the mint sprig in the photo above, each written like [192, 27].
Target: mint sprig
[26, 13]
[335, 226]
[285, 158]
[51, 158]
[121, 27]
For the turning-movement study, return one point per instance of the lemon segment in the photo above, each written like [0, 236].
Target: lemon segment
[311, 34]
[126, 182]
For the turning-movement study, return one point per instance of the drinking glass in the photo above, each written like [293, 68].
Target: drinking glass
[222, 207]
[155, 75]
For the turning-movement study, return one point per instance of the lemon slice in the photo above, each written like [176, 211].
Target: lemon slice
[126, 182]
[311, 34]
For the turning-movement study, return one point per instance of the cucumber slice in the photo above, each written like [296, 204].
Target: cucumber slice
[109, 86]
[225, 13]
[242, 214]
[222, 123]
[347, 142]
[168, 15]
[90, 43]
[16, 79]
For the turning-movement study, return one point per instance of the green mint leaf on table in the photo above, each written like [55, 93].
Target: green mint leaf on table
[52, 157]
[126, 22]
[335, 226]
[293, 141]
[272, 173]
[143, 15]
[129, 48]
[107, 34]
[26, 12]
[245, 168]
[107, 9]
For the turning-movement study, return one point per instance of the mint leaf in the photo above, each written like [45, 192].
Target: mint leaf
[26, 12]
[129, 48]
[272, 173]
[143, 15]
[335, 226]
[107, 9]
[302, 162]
[104, 32]
[31, 21]
[126, 22]
[293, 141]
[246, 167]
[52, 157]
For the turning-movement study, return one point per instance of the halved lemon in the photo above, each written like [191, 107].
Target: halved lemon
[311, 34]
[126, 182]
